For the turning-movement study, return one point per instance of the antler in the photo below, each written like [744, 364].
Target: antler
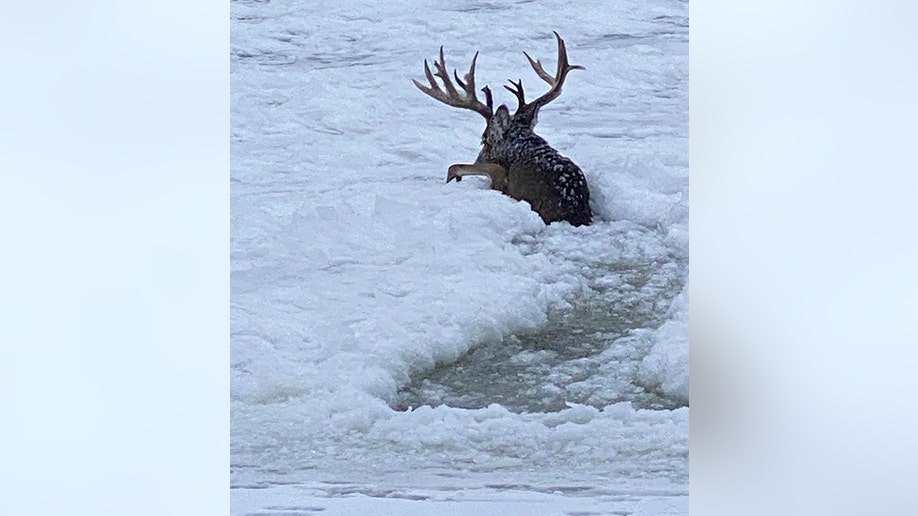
[451, 96]
[555, 82]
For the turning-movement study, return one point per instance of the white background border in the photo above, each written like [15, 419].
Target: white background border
[114, 281]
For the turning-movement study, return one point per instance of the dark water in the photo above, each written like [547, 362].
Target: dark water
[588, 354]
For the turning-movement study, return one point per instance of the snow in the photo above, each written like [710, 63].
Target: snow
[314, 498]
[358, 275]
[665, 366]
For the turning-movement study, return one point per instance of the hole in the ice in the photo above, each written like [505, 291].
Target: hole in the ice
[588, 355]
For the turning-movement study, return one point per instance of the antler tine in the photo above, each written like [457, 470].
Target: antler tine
[517, 90]
[430, 79]
[451, 96]
[562, 57]
[469, 77]
[488, 99]
[444, 75]
[537, 66]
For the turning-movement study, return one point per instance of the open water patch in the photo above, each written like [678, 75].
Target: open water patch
[588, 354]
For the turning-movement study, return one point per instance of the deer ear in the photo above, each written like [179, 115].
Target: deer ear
[502, 117]
[498, 125]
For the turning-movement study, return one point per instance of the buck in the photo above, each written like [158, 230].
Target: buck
[519, 163]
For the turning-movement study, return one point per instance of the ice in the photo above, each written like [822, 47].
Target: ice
[358, 274]
[506, 500]
[666, 366]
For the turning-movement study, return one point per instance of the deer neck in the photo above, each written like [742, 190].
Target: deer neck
[519, 143]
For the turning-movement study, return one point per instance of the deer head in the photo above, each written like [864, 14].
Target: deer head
[519, 163]
[499, 121]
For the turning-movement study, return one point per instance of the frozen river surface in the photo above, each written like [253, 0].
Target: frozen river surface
[405, 346]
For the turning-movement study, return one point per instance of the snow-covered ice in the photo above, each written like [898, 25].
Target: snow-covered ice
[399, 342]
